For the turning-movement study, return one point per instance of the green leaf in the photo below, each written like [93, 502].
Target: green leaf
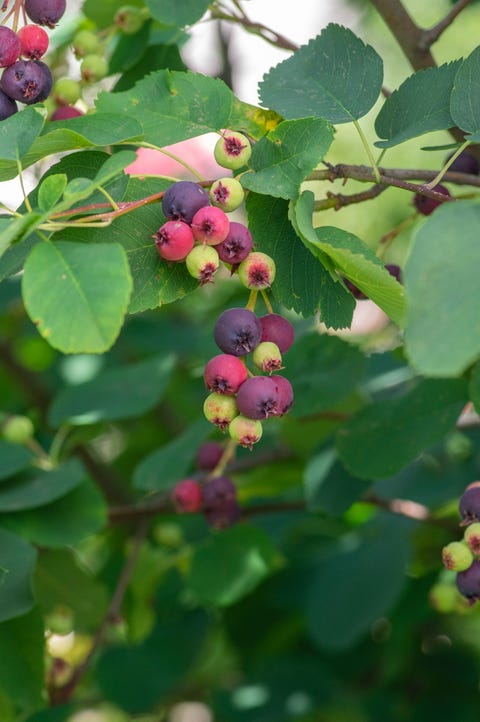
[352, 258]
[345, 595]
[465, 100]
[17, 133]
[51, 190]
[37, 487]
[283, 158]
[301, 283]
[336, 77]
[14, 458]
[382, 438]
[420, 105]
[328, 486]
[163, 467]
[17, 558]
[474, 386]
[22, 666]
[14, 230]
[77, 294]
[173, 106]
[323, 371]
[153, 58]
[438, 262]
[185, 13]
[116, 393]
[229, 565]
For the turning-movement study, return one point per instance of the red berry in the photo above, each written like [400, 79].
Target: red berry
[425, 205]
[210, 225]
[277, 329]
[174, 240]
[285, 394]
[33, 41]
[224, 374]
[187, 496]
[65, 112]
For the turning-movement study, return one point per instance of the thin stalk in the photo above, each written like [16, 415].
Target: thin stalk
[252, 300]
[368, 151]
[174, 157]
[267, 301]
[447, 165]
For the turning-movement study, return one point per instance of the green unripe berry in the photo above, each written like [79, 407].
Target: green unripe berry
[17, 429]
[227, 194]
[202, 263]
[232, 150]
[457, 556]
[257, 271]
[267, 357]
[129, 19]
[85, 43]
[220, 409]
[244, 431]
[444, 598]
[66, 91]
[472, 537]
[93, 68]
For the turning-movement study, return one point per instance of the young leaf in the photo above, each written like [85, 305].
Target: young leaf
[51, 190]
[420, 105]
[182, 13]
[22, 662]
[77, 294]
[336, 77]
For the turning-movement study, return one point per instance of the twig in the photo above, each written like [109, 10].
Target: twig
[432, 34]
[408, 35]
[338, 200]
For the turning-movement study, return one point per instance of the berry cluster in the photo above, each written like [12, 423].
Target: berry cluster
[463, 556]
[25, 78]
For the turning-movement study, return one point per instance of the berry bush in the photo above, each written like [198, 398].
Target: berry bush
[239, 366]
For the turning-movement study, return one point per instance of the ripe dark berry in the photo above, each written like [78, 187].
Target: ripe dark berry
[28, 81]
[468, 582]
[174, 240]
[9, 46]
[208, 455]
[267, 357]
[224, 374]
[7, 106]
[45, 12]
[183, 199]
[285, 394]
[425, 205]
[202, 263]
[65, 112]
[237, 331]
[257, 398]
[457, 556]
[394, 271]
[469, 505]
[224, 515]
[227, 194]
[33, 41]
[244, 431]
[257, 271]
[187, 496]
[210, 225]
[465, 163]
[220, 409]
[277, 329]
[237, 245]
[232, 150]
[220, 502]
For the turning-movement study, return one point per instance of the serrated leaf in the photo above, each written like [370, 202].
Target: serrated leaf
[420, 105]
[283, 158]
[352, 258]
[182, 13]
[17, 133]
[438, 261]
[336, 77]
[51, 190]
[38, 487]
[17, 558]
[22, 662]
[14, 458]
[252, 120]
[118, 393]
[382, 438]
[465, 99]
[173, 106]
[77, 294]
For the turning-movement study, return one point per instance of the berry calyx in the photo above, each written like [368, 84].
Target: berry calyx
[457, 556]
[237, 244]
[257, 271]
[17, 429]
[183, 199]
[257, 398]
[220, 409]
[10, 46]
[187, 496]
[425, 205]
[224, 374]
[232, 150]
[237, 331]
[210, 225]
[472, 537]
[174, 240]
[208, 455]
[245, 431]
[468, 582]
[469, 504]
[277, 329]
[227, 194]
[93, 68]
[202, 263]
[45, 12]
[267, 357]
[33, 41]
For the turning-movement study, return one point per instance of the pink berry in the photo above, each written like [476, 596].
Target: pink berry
[65, 112]
[174, 240]
[33, 41]
[9, 46]
[277, 329]
[284, 394]
[210, 225]
[187, 496]
[224, 374]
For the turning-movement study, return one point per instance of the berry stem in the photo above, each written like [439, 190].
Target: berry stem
[252, 300]
[267, 301]
[224, 460]
[107, 195]
[368, 151]
[447, 165]
[22, 186]
[174, 157]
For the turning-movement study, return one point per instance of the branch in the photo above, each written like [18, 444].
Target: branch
[408, 35]
[431, 35]
[338, 200]
[263, 31]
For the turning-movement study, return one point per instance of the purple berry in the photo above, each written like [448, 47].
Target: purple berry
[237, 331]
[9, 46]
[277, 329]
[210, 225]
[47, 78]
[174, 240]
[257, 398]
[394, 271]
[220, 503]
[65, 112]
[28, 81]
[224, 374]
[285, 394]
[223, 516]
[237, 245]
[187, 496]
[208, 455]
[7, 106]
[465, 163]
[183, 199]
[469, 505]
[45, 12]
[425, 205]
[468, 582]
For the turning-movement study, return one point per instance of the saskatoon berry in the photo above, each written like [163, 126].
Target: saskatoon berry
[48, 80]
[33, 41]
[237, 331]
[187, 496]
[224, 374]
[7, 106]
[65, 112]
[394, 271]
[129, 19]
[174, 240]
[285, 394]
[93, 68]
[183, 199]
[456, 556]
[472, 537]
[465, 163]
[232, 150]
[425, 205]
[220, 409]
[237, 245]
[245, 432]
[277, 329]
[45, 12]
[208, 455]
[66, 91]
[468, 582]
[221, 507]
[9, 46]
[267, 357]
[27, 81]
[17, 429]
[257, 398]
[85, 43]
[202, 263]
[257, 271]
[227, 194]
[469, 505]
[210, 225]
[224, 515]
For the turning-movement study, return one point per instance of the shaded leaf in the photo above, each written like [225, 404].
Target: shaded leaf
[14, 458]
[465, 100]
[22, 667]
[17, 559]
[39, 487]
[185, 13]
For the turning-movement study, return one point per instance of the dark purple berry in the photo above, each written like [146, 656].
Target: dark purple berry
[27, 81]
[208, 455]
[225, 374]
[223, 516]
[465, 163]
[9, 46]
[45, 12]
[394, 271]
[468, 582]
[237, 245]
[354, 290]
[425, 205]
[7, 106]
[285, 394]
[47, 78]
[257, 398]
[469, 505]
[277, 329]
[183, 199]
[220, 502]
[237, 331]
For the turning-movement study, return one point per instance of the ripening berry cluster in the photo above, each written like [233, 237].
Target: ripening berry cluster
[25, 78]
[463, 556]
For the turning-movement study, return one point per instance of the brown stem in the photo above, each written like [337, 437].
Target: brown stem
[266, 33]
[338, 200]
[432, 34]
[408, 35]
